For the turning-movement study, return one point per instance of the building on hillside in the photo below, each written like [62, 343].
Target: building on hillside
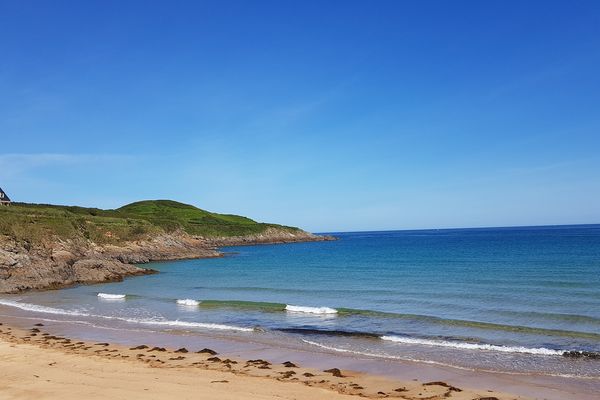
[4, 199]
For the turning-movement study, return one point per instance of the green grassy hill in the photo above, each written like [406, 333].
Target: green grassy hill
[34, 222]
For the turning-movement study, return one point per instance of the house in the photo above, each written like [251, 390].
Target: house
[4, 199]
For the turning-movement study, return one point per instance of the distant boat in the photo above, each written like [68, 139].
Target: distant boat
[4, 199]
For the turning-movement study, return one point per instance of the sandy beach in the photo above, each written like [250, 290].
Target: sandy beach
[301, 200]
[38, 365]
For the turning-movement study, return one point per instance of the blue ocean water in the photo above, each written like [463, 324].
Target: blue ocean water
[505, 299]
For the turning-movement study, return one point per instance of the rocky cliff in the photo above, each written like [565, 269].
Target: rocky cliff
[49, 246]
[56, 263]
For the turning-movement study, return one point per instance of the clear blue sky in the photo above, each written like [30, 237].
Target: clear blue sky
[329, 115]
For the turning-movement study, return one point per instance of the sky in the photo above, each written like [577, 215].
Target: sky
[328, 115]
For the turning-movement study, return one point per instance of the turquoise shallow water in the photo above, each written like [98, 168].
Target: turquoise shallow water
[508, 299]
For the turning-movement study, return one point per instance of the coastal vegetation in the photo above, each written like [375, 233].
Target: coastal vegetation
[48, 247]
[35, 222]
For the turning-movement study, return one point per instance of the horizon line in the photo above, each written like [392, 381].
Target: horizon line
[334, 231]
[463, 228]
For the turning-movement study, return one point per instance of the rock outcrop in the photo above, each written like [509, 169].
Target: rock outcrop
[56, 263]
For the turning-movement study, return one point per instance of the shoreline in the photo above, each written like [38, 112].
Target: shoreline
[373, 376]
[399, 372]
[57, 264]
[289, 379]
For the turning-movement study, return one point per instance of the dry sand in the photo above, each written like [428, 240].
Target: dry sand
[37, 365]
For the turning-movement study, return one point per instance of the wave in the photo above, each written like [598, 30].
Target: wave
[188, 302]
[185, 324]
[265, 306]
[432, 362]
[573, 318]
[342, 312]
[473, 324]
[428, 342]
[418, 318]
[346, 312]
[310, 310]
[474, 346]
[109, 296]
[42, 309]
[243, 305]
[173, 323]
[461, 345]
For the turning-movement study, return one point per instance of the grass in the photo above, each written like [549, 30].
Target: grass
[35, 222]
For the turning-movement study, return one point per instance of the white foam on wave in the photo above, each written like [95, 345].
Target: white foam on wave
[109, 296]
[387, 356]
[187, 324]
[340, 350]
[42, 309]
[310, 310]
[475, 346]
[173, 323]
[188, 302]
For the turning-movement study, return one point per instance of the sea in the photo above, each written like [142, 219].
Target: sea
[522, 300]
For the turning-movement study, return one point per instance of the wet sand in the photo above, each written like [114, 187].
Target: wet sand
[38, 364]
[525, 385]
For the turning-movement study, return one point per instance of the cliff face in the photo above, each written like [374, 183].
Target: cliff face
[55, 263]
[50, 246]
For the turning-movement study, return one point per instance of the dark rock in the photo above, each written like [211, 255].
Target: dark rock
[443, 384]
[289, 364]
[308, 374]
[181, 350]
[214, 359]
[436, 383]
[335, 372]
[258, 362]
[208, 351]
[140, 347]
[582, 354]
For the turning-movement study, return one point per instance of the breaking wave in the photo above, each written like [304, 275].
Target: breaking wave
[266, 306]
[188, 302]
[310, 310]
[109, 296]
[344, 312]
[474, 346]
[432, 362]
[173, 323]
[185, 324]
[42, 309]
